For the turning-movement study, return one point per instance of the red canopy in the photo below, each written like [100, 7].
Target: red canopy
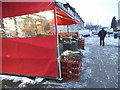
[11, 9]
[64, 18]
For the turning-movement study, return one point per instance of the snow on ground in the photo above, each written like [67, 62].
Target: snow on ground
[111, 41]
[103, 62]
[108, 40]
[24, 80]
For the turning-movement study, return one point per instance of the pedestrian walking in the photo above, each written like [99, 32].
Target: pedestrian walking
[102, 33]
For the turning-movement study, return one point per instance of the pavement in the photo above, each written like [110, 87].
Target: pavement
[102, 64]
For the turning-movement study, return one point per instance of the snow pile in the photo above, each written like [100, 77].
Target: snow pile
[24, 80]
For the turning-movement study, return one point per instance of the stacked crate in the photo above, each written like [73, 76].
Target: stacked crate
[81, 43]
[67, 46]
[71, 67]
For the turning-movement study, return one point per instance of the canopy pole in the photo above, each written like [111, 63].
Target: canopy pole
[58, 51]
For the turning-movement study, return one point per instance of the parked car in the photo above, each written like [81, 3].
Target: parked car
[95, 32]
[84, 33]
[109, 31]
[115, 34]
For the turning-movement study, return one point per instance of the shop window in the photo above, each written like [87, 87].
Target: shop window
[32, 25]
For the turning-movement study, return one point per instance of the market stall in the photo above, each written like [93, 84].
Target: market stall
[30, 38]
[26, 50]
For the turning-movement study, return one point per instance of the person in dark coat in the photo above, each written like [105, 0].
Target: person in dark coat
[102, 33]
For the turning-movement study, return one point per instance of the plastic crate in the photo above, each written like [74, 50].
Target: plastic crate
[74, 45]
[64, 76]
[71, 64]
[67, 46]
[71, 70]
[72, 58]
[73, 77]
[81, 43]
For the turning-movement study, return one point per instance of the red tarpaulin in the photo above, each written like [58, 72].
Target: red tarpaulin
[11, 9]
[35, 56]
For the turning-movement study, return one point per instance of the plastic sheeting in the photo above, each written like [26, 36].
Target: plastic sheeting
[35, 56]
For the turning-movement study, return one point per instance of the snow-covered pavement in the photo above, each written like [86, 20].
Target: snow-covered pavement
[99, 69]
[102, 62]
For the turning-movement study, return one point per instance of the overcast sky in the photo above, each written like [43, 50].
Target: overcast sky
[96, 11]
